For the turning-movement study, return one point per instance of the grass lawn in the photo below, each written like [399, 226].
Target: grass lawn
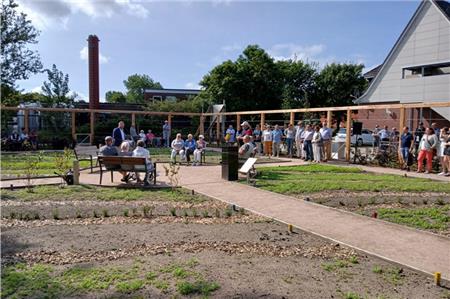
[318, 178]
[86, 192]
[430, 218]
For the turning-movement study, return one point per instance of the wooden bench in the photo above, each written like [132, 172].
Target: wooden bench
[128, 164]
[86, 153]
[202, 158]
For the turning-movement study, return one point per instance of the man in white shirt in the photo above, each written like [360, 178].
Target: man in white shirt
[299, 128]
[326, 134]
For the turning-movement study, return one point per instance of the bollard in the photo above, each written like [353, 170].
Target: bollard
[375, 215]
[192, 192]
[290, 228]
[437, 278]
[11, 187]
[76, 172]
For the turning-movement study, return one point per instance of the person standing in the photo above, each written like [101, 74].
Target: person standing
[446, 145]
[298, 138]
[230, 135]
[406, 143]
[276, 141]
[384, 137]
[376, 136]
[427, 146]
[267, 141]
[418, 136]
[289, 132]
[326, 134]
[119, 134]
[317, 144]
[444, 138]
[166, 133]
[257, 138]
[149, 137]
[307, 144]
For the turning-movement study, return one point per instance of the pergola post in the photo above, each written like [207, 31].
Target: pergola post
[263, 121]
[348, 135]
[329, 118]
[26, 125]
[74, 128]
[133, 119]
[218, 129]
[402, 119]
[92, 127]
[292, 118]
[202, 125]
[238, 121]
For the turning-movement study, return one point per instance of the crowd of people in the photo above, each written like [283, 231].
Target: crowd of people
[21, 141]
[312, 142]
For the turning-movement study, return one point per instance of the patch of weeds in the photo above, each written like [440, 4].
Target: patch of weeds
[353, 260]
[129, 286]
[192, 262]
[217, 213]
[400, 200]
[434, 218]
[372, 201]
[96, 215]
[185, 213]
[36, 216]
[151, 276]
[161, 285]
[173, 212]
[105, 213]
[55, 214]
[288, 279]
[12, 215]
[148, 211]
[228, 212]
[339, 264]
[126, 213]
[202, 287]
[135, 212]
[351, 295]
[360, 203]
[394, 275]
[377, 270]
[180, 272]
[440, 202]
[205, 214]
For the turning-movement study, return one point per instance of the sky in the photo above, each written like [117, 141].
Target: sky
[177, 43]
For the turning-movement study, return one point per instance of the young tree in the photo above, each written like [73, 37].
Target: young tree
[17, 61]
[135, 85]
[115, 97]
[56, 89]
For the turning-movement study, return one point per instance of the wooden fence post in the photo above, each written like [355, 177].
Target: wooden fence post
[26, 120]
[74, 128]
[402, 119]
[133, 119]
[348, 135]
[92, 127]
[292, 118]
[238, 121]
[76, 172]
[202, 125]
[329, 119]
[218, 129]
[263, 121]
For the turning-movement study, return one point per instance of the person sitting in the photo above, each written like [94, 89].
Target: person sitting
[189, 147]
[140, 151]
[177, 148]
[23, 135]
[247, 150]
[142, 136]
[110, 150]
[33, 139]
[201, 145]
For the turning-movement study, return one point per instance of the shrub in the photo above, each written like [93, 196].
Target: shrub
[173, 212]
[55, 214]
[105, 213]
[126, 213]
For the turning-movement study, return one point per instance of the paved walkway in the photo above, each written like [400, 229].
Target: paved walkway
[416, 249]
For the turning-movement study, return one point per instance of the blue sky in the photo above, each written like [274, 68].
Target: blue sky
[176, 43]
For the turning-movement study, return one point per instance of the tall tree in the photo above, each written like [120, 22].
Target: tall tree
[17, 61]
[115, 97]
[339, 85]
[56, 89]
[298, 79]
[251, 82]
[135, 85]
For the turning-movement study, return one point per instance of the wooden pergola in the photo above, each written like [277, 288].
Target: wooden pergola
[328, 110]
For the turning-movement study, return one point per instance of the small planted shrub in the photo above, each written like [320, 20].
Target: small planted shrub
[377, 270]
[217, 213]
[228, 212]
[242, 211]
[425, 201]
[173, 212]
[96, 215]
[135, 212]
[126, 213]
[205, 214]
[194, 212]
[78, 214]
[36, 216]
[55, 214]
[12, 215]
[147, 211]
[105, 213]
[185, 213]
[440, 202]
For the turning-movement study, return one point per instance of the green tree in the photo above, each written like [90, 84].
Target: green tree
[252, 82]
[17, 61]
[135, 85]
[298, 79]
[115, 97]
[339, 85]
[56, 89]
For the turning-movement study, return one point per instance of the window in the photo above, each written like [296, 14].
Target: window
[426, 70]
[157, 98]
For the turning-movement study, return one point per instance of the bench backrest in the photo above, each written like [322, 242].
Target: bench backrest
[125, 163]
[86, 150]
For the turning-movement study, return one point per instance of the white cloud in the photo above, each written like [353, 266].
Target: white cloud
[47, 13]
[192, 85]
[84, 56]
[295, 51]
[37, 89]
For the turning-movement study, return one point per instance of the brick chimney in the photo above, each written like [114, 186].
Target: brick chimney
[94, 87]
